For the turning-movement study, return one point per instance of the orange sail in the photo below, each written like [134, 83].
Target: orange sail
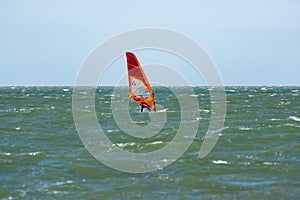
[139, 87]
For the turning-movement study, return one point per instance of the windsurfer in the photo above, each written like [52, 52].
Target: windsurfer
[139, 87]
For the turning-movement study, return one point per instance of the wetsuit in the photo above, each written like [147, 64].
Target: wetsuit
[142, 108]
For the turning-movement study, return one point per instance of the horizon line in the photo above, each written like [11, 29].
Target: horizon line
[271, 85]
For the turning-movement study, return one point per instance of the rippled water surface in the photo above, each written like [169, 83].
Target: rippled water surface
[257, 156]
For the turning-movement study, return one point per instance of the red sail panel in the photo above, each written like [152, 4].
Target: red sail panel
[139, 87]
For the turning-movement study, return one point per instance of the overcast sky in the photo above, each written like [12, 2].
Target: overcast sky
[251, 42]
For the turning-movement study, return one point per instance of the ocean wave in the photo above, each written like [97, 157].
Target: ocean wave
[220, 162]
[274, 119]
[297, 119]
[216, 131]
[156, 142]
[245, 128]
[18, 110]
[263, 89]
[124, 144]
[269, 163]
[289, 125]
[6, 154]
[32, 153]
[204, 110]
[231, 91]
[167, 160]
[64, 182]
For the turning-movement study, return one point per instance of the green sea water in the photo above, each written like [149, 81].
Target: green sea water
[256, 157]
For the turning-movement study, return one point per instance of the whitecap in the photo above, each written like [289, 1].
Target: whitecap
[264, 89]
[25, 110]
[59, 192]
[284, 103]
[274, 119]
[125, 144]
[156, 142]
[232, 91]
[66, 89]
[216, 131]
[6, 154]
[224, 162]
[35, 153]
[59, 183]
[270, 163]
[245, 128]
[167, 160]
[62, 183]
[267, 163]
[289, 124]
[206, 111]
[138, 122]
[32, 153]
[245, 163]
[109, 95]
[295, 118]
[160, 163]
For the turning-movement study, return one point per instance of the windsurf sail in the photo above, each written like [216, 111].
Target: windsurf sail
[139, 87]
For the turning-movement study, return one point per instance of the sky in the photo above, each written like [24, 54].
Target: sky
[251, 42]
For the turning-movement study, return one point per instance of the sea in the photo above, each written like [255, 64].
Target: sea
[257, 155]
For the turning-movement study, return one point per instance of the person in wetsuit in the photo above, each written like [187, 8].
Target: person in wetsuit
[142, 108]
